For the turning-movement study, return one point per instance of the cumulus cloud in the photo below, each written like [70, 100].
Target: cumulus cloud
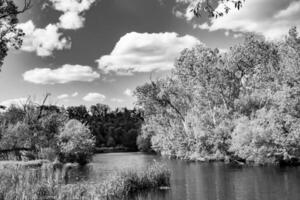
[73, 11]
[43, 41]
[75, 94]
[269, 18]
[63, 96]
[94, 97]
[17, 102]
[65, 74]
[128, 92]
[145, 52]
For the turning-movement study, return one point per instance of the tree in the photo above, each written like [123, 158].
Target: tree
[16, 137]
[199, 7]
[243, 103]
[76, 142]
[10, 35]
[79, 113]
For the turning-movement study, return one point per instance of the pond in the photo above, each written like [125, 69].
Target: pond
[207, 181]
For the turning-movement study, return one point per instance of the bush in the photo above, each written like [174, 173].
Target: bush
[144, 143]
[76, 143]
[47, 154]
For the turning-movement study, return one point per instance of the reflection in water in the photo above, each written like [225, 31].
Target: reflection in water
[207, 181]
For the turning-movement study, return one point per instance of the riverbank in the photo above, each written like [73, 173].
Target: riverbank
[114, 150]
[45, 182]
[279, 160]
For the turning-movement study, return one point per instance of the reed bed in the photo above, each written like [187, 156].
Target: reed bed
[47, 183]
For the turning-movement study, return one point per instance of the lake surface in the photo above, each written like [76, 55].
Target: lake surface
[207, 181]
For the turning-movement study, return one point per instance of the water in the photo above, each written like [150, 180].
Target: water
[208, 181]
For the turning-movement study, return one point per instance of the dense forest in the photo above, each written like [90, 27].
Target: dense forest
[43, 131]
[111, 128]
[243, 104]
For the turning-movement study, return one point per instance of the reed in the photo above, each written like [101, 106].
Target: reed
[47, 183]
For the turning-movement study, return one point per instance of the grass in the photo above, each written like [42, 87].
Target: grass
[46, 183]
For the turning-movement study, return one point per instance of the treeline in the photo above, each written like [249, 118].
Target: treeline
[243, 104]
[111, 128]
[48, 132]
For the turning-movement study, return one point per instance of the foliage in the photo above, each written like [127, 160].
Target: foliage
[144, 143]
[242, 103]
[209, 7]
[31, 131]
[30, 128]
[115, 128]
[11, 36]
[44, 183]
[76, 143]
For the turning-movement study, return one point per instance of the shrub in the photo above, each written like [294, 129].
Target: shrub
[144, 143]
[76, 143]
[48, 154]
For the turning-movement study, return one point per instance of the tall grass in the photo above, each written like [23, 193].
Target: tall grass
[47, 183]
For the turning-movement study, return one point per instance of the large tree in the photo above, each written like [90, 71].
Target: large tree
[11, 36]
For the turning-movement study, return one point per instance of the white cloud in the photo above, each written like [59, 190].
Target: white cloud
[128, 92]
[75, 94]
[73, 10]
[17, 102]
[116, 100]
[145, 52]
[63, 96]
[94, 97]
[43, 41]
[269, 18]
[71, 20]
[66, 73]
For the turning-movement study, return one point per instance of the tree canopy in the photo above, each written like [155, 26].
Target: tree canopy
[242, 103]
[11, 36]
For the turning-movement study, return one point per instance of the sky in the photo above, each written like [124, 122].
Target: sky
[85, 52]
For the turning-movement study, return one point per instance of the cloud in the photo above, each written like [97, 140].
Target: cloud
[43, 41]
[145, 52]
[65, 74]
[17, 102]
[94, 97]
[71, 20]
[269, 18]
[116, 100]
[63, 96]
[128, 92]
[75, 94]
[73, 10]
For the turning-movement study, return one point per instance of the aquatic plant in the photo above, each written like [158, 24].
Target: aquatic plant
[48, 183]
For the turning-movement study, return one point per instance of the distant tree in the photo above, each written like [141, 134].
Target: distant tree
[10, 35]
[99, 110]
[79, 113]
